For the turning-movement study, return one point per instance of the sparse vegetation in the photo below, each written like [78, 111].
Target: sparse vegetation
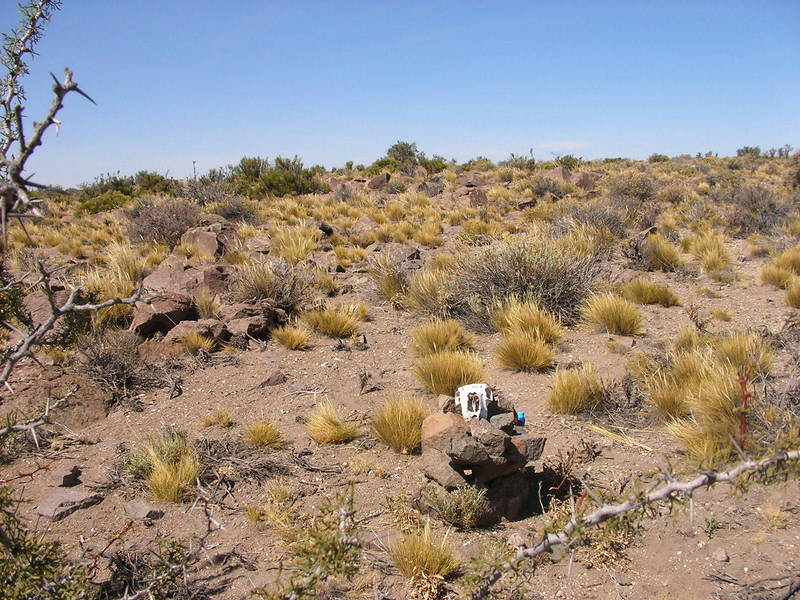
[398, 423]
[444, 372]
[440, 336]
[523, 351]
[262, 434]
[643, 291]
[614, 314]
[424, 558]
[575, 390]
[333, 322]
[292, 337]
[325, 426]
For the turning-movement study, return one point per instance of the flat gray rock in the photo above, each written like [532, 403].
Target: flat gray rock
[65, 501]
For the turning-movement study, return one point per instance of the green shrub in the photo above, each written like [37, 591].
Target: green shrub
[106, 201]
[656, 158]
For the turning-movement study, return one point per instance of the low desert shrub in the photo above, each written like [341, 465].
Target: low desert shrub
[109, 200]
[428, 291]
[576, 390]
[261, 279]
[325, 426]
[632, 186]
[423, 555]
[391, 280]
[291, 337]
[332, 322]
[161, 221]
[643, 291]
[399, 423]
[263, 434]
[514, 315]
[438, 336]
[556, 279]
[753, 208]
[613, 313]
[445, 372]
[524, 351]
[465, 507]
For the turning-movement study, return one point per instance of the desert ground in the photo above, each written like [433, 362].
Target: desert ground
[308, 328]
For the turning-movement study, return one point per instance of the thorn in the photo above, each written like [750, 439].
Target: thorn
[85, 95]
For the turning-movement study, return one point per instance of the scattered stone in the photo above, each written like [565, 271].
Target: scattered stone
[471, 180]
[478, 198]
[140, 510]
[248, 327]
[379, 181]
[559, 174]
[495, 440]
[721, 556]
[517, 540]
[586, 180]
[209, 328]
[65, 501]
[364, 225]
[204, 240]
[504, 421]
[527, 204]
[439, 428]
[436, 466]
[162, 314]
[431, 187]
[529, 446]
[466, 450]
[447, 404]
[276, 378]
[66, 476]
[261, 244]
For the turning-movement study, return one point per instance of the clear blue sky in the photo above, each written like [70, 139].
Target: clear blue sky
[211, 81]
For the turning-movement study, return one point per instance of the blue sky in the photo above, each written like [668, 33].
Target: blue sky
[212, 81]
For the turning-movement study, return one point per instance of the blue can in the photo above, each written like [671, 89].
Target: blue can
[521, 417]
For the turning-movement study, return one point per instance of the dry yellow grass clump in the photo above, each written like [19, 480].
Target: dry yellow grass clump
[779, 277]
[391, 280]
[527, 317]
[793, 294]
[439, 336]
[399, 423]
[748, 353]
[325, 426]
[524, 351]
[576, 390]
[291, 337]
[660, 254]
[293, 244]
[168, 463]
[221, 417]
[614, 313]
[332, 322]
[789, 259]
[424, 558]
[427, 291]
[643, 291]
[207, 304]
[262, 434]
[445, 372]
[196, 342]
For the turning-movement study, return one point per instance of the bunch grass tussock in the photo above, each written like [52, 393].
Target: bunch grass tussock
[527, 317]
[325, 426]
[332, 322]
[779, 277]
[709, 248]
[524, 351]
[221, 418]
[424, 558]
[294, 244]
[263, 434]
[793, 293]
[292, 337]
[614, 313]
[643, 291]
[207, 304]
[789, 259]
[390, 279]
[748, 353]
[428, 291]
[197, 342]
[440, 336]
[445, 372]
[660, 254]
[576, 390]
[398, 423]
[258, 279]
[168, 463]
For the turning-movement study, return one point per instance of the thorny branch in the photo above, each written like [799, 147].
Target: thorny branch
[16, 148]
[666, 493]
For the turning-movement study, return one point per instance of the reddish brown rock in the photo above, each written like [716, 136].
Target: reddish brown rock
[162, 314]
[586, 180]
[436, 466]
[206, 242]
[559, 174]
[529, 446]
[209, 328]
[38, 306]
[439, 428]
[477, 198]
[379, 181]
[248, 327]
[495, 440]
